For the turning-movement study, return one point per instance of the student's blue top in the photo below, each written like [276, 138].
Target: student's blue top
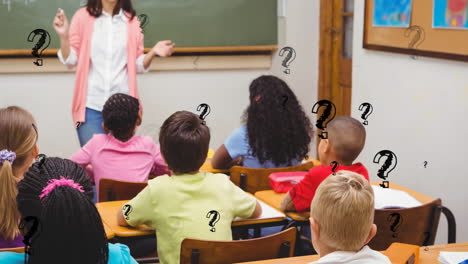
[118, 254]
[237, 144]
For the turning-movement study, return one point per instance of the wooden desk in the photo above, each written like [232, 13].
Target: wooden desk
[274, 199]
[428, 255]
[108, 212]
[109, 232]
[208, 168]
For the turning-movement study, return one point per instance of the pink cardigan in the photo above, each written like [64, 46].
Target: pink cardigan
[81, 31]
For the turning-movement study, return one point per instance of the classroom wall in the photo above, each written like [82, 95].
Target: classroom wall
[420, 108]
[49, 95]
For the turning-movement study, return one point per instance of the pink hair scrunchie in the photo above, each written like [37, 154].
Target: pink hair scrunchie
[52, 184]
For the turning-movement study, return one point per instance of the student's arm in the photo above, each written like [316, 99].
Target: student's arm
[244, 204]
[159, 166]
[258, 211]
[222, 160]
[120, 219]
[287, 203]
[137, 211]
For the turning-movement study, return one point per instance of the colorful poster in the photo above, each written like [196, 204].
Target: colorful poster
[392, 13]
[451, 14]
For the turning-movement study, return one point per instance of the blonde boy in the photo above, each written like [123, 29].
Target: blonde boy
[341, 221]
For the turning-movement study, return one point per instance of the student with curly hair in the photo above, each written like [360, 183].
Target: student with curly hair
[120, 155]
[57, 193]
[275, 133]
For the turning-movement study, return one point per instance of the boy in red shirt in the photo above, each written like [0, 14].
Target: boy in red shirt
[346, 138]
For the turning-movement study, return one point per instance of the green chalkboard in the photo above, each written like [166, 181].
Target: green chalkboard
[189, 23]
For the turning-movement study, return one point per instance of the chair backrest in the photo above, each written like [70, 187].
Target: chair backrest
[253, 180]
[17, 250]
[113, 190]
[280, 245]
[416, 225]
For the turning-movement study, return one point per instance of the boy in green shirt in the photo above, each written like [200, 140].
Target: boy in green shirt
[190, 203]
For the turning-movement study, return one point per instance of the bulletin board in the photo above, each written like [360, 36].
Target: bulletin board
[419, 38]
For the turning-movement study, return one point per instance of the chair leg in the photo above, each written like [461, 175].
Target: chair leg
[195, 256]
[243, 182]
[257, 232]
[285, 248]
[452, 225]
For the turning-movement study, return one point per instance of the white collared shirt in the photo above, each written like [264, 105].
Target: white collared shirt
[365, 256]
[108, 59]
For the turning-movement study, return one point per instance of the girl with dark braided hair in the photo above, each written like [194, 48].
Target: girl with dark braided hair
[276, 130]
[56, 194]
[120, 154]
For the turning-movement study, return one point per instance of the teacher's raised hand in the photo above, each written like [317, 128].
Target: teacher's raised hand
[61, 27]
[61, 23]
[163, 48]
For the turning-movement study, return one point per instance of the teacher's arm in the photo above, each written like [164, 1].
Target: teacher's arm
[66, 54]
[163, 48]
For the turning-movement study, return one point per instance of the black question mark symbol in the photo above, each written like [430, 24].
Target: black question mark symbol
[325, 115]
[396, 220]
[144, 20]
[417, 39]
[387, 166]
[31, 231]
[40, 45]
[334, 164]
[215, 218]
[288, 59]
[367, 112]
[206, 111]
[128, 209]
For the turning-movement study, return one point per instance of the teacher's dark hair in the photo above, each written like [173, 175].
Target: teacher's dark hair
[278, 129]
[94, 8]
[184, 141]
[70, 228]
[120, 115]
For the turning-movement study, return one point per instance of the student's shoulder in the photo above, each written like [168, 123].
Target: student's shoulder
[320, 170]
[160, 182]
[146, 141]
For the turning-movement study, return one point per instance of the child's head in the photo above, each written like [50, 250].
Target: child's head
[342, 213]
[346, 139]
[278, 128]
[18, 138]
[59, 194]
[184, 142]
[121, 116]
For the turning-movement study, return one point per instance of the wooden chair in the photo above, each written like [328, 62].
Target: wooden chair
[17, 250]
[417, 225]
[253, 180]
[280, 245]
[113, 190]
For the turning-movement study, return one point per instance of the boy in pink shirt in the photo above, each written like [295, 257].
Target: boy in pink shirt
[120, 155]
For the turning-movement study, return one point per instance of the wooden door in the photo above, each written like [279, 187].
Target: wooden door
[335, 65]
[336, 54]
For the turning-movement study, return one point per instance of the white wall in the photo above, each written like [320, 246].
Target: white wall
[49, 95]
[420, 109]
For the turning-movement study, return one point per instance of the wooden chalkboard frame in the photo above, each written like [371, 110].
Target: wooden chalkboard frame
[179, 51]
[367, 44]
